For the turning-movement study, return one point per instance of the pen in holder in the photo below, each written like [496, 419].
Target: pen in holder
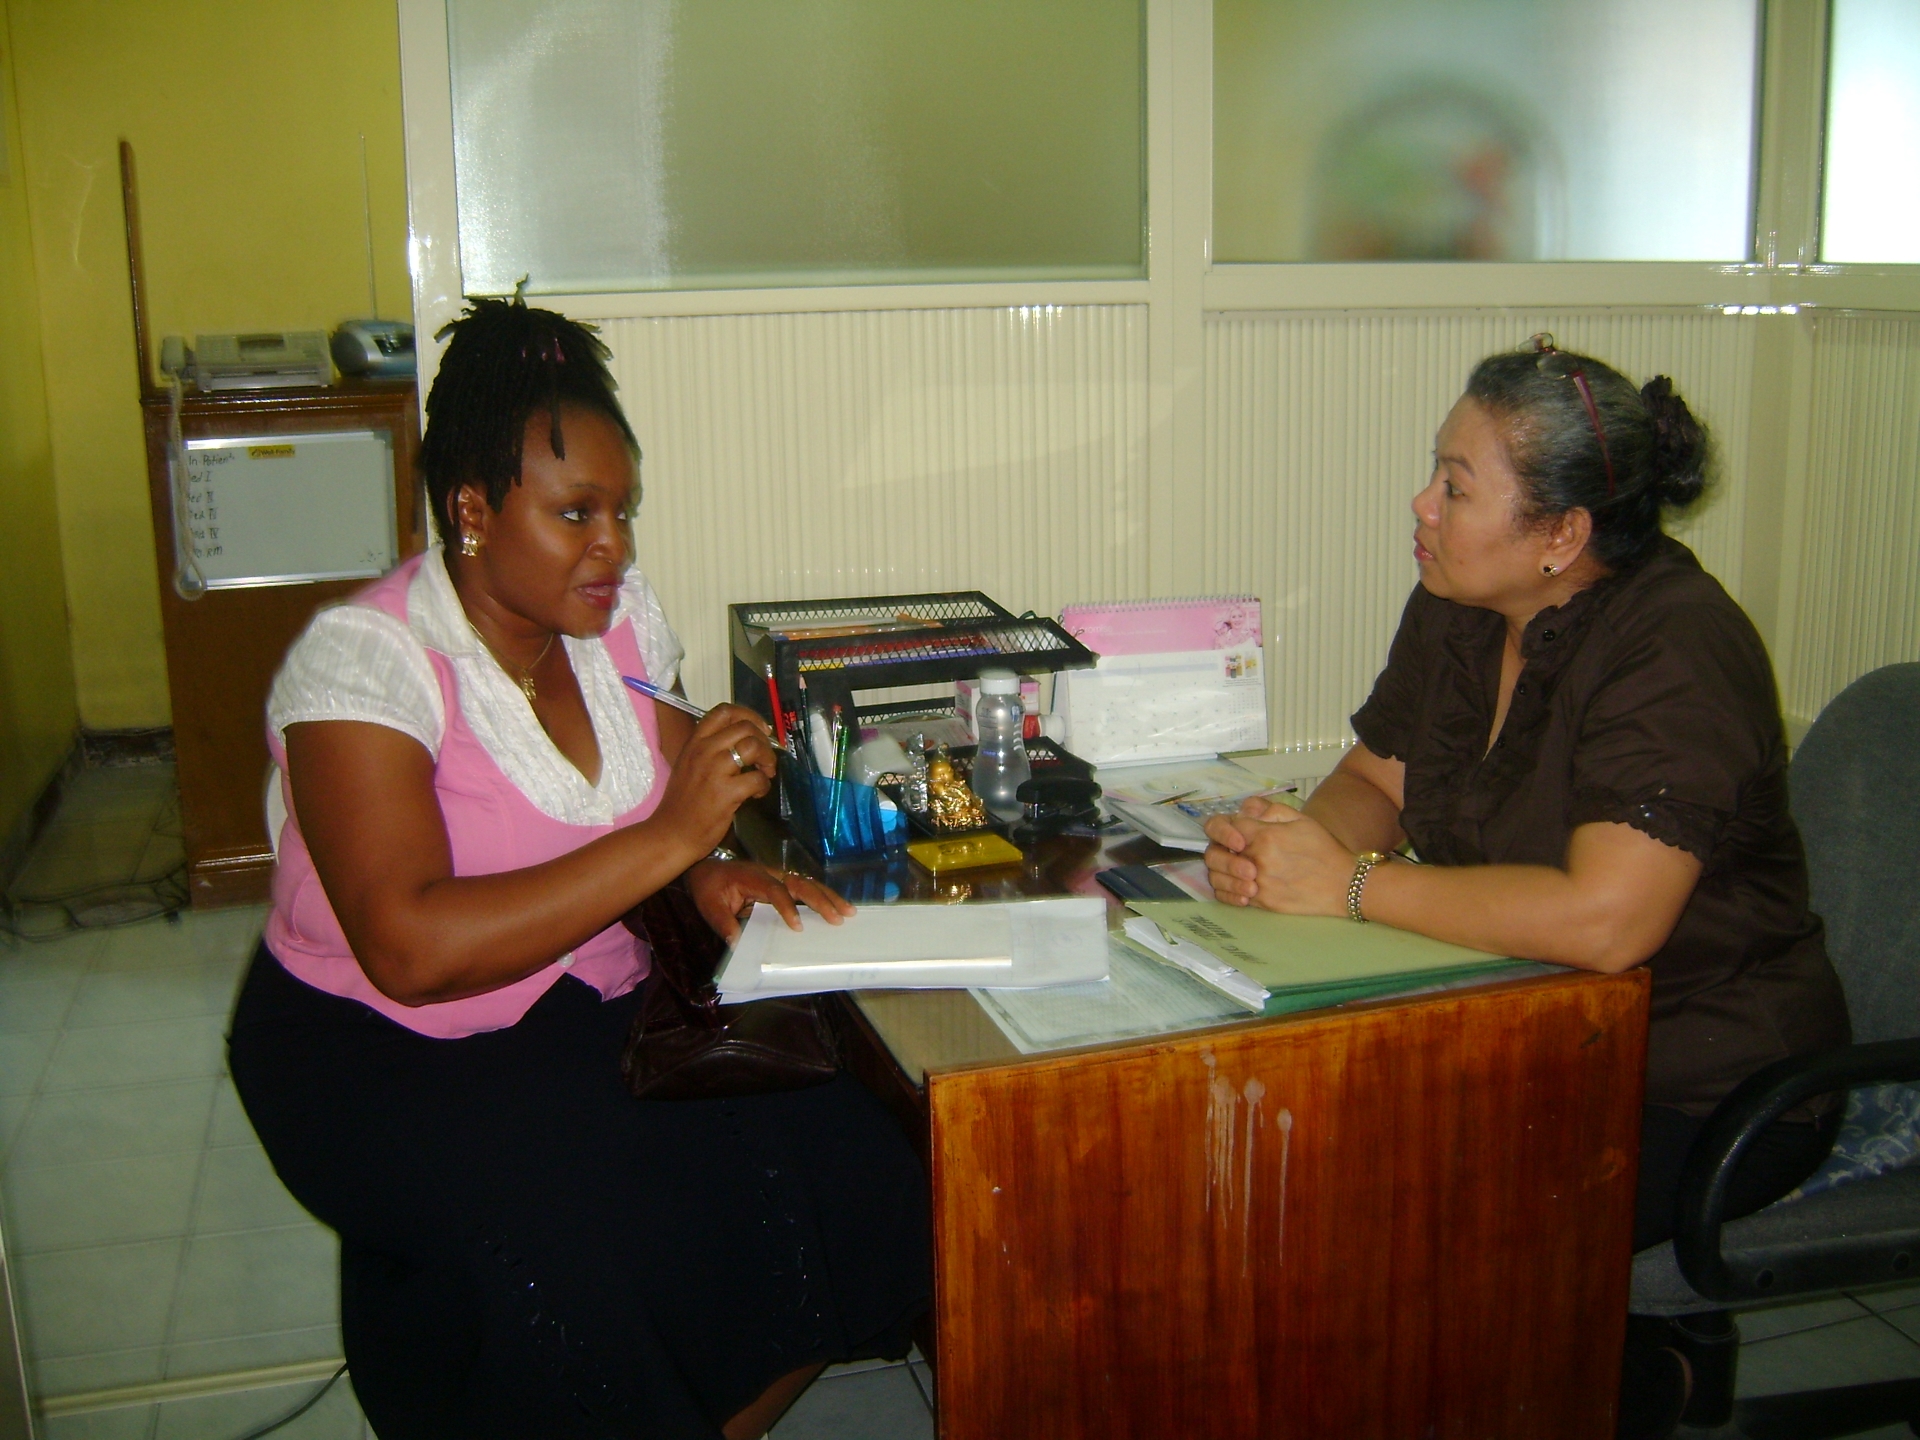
[838, 819]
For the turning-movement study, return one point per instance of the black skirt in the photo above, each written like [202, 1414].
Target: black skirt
[528, 1250]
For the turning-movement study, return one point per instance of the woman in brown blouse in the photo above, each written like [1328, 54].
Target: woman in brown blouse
[1578, 732]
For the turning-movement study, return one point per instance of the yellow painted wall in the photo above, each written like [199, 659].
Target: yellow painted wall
[36, 663]
[245, 117]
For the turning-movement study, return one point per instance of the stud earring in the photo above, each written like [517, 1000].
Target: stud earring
[1544, 569]
[469, 544]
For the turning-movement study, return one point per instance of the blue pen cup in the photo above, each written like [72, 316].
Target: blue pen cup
[838, 819]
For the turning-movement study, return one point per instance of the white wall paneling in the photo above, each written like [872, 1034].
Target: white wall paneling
[872, 452]
[1851, 599]
[1007, 450]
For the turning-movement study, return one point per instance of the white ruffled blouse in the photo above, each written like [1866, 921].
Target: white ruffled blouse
[354, 662]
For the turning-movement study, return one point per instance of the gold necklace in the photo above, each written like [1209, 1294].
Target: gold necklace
[525, 678]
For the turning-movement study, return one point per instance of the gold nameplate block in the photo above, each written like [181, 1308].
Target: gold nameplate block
[963, 852]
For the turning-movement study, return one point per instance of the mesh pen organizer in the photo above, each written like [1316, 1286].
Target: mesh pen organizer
[876, 642]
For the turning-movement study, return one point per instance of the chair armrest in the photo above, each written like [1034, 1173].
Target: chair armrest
[1756, 1103]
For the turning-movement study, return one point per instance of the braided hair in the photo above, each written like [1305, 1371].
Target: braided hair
[507, 361]
[1582, 436]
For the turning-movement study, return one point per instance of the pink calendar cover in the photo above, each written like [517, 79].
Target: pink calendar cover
[1157, 627]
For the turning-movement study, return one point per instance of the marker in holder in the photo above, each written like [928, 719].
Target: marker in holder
[838, 819]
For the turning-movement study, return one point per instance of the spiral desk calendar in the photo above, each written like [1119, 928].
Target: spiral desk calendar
[1176, 679]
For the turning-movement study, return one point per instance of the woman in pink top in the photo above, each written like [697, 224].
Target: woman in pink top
[428, 1039]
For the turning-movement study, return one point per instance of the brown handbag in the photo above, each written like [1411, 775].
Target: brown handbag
[686, 1045]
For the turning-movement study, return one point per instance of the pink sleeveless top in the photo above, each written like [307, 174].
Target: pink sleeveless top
[492, 827]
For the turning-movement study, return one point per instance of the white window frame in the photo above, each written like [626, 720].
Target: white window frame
[1182, 285]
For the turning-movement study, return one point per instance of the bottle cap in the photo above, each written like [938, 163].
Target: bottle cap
[999, 682]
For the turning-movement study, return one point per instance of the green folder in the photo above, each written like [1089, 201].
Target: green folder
[1318, 997]
[1306, 961]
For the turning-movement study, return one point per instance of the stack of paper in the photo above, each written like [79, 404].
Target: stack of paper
[1139, 997]
[1054, 941]
[1302, 962]
[1169, 804]
[1197, 962]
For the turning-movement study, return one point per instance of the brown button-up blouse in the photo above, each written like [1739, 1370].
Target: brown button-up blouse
[1646, 700]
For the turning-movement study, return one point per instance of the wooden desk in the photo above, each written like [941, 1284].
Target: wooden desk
[1405, 1218]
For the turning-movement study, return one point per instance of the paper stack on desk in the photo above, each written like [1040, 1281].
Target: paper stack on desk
[1139, 997]
[1170, 804]
[1203, 965]
[1012, 944]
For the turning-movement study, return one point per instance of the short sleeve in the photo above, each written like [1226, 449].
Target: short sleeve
[354, 662]
[1682, 722]
[660, 648]
[1385, 724]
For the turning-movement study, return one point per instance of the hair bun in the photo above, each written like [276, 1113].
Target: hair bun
[1679, 446]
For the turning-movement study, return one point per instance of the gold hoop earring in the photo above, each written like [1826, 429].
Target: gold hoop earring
[469, 544]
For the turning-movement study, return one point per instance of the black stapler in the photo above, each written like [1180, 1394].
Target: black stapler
[1058, 805]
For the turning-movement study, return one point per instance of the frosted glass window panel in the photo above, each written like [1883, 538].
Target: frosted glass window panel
[1484, 129]
[610, 145]
[1871, 210]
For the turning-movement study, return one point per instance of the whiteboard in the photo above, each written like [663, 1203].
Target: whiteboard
[279, 509]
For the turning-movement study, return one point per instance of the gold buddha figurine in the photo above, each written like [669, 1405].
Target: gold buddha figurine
[951, 804]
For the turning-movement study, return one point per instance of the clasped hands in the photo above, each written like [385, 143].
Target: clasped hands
[1271, 855]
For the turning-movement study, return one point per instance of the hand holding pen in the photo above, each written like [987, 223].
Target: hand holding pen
[724, 892]
[664, 696]
[743, 751]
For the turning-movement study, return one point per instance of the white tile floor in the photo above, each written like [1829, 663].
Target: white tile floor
[153, 1243]
[151, 1240]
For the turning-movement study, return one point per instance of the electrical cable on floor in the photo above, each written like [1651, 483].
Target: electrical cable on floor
[135, 900]
[29, 912]
[82, 892]
[295, 1413]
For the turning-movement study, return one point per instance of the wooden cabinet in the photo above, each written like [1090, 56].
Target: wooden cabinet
[223, 649]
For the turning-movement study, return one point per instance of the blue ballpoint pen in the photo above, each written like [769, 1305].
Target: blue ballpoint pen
[665, 697]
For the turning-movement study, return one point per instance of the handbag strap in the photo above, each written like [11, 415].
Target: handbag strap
[686, 950]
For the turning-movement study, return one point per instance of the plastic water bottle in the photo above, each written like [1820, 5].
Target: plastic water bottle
[1000, 764]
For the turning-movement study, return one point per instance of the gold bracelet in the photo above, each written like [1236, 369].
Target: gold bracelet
[1363, 867]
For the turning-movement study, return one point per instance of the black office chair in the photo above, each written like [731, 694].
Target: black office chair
[1856, 797]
